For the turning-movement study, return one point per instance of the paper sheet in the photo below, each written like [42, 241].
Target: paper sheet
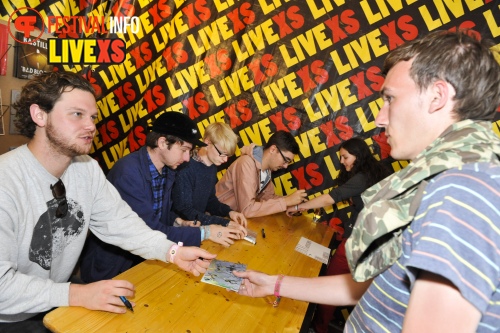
[313, 250]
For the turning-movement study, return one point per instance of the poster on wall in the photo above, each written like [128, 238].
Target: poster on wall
[13, 98]
[2, 130]
[312, 68]
[30, 59]
[4, 47]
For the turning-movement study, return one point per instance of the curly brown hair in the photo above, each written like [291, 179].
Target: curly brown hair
[45, 90]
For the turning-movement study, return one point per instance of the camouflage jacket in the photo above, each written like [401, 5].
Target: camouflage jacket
[390, 205]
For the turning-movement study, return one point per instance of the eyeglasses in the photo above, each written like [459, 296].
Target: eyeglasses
[59, 192]
[219, 152]
[286, 159]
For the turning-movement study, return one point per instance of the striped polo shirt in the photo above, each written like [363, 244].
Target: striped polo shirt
[455, 234]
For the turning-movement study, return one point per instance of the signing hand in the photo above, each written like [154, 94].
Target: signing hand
[101, 295]
[238, 218]
[193, 259]
[224, 235]
[295, 198]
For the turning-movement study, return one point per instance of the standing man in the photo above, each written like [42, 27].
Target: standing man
[144, 180]
[425, 248]
[51, 194]
[246, 186]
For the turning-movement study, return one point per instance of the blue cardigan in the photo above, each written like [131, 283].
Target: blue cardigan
[194, 194]
[132, 178]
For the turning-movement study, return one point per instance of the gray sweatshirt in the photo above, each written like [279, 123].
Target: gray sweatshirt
[39, 251]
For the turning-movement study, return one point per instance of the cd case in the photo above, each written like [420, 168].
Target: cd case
[219, 273]
[251, 236]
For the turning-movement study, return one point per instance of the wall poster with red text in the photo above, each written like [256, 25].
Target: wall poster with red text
[311, 67]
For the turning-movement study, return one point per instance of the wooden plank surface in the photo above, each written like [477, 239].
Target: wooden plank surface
[170, 300]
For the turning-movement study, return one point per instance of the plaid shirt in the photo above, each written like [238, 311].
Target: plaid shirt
[159, 181]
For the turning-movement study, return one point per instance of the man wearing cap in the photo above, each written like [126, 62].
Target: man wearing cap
[144, 180]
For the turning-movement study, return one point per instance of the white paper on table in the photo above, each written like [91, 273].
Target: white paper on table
[313, 250]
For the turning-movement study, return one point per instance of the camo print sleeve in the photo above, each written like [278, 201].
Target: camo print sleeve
[454, 234]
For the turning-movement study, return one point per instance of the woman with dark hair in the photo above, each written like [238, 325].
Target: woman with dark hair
[359, 170]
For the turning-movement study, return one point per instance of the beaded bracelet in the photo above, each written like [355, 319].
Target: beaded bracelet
[277, 290]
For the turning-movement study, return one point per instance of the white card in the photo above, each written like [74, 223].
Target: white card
[313, 250]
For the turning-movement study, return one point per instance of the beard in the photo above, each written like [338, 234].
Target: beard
[61, 145]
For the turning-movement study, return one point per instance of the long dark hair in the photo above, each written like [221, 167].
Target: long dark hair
[365, 163]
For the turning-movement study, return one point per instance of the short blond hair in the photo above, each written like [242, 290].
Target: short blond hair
[222, 135]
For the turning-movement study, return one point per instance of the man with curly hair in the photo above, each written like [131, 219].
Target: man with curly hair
[51, 194]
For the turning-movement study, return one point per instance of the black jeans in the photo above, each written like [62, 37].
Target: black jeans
[32, 325]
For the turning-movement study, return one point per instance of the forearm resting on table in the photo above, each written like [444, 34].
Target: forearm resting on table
[339, 290]
[75, 292]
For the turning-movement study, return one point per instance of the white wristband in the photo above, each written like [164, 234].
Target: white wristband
[173, 251]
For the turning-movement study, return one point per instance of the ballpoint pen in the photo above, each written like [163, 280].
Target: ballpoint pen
[127, 303]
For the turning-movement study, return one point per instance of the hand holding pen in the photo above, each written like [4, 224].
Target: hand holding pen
[102, 295]
[127, 303]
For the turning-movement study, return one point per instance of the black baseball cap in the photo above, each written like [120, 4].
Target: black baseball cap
[179, 125]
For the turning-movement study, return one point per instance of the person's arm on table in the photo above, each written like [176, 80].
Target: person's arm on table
[295, 198]
[104, 295]
[354, 186]
[441, 304]
[245, 192]
[318, 202]
[191, 259]
[217, 208]
[224, 235]
[333, 290]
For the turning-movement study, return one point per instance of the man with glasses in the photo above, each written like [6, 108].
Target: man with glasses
[51, 194]
[194, 190]
[145, 179]
[247, 187]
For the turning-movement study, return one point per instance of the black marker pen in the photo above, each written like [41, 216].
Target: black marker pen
[127, 303]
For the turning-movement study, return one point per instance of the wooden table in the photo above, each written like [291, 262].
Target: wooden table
[170, 300]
